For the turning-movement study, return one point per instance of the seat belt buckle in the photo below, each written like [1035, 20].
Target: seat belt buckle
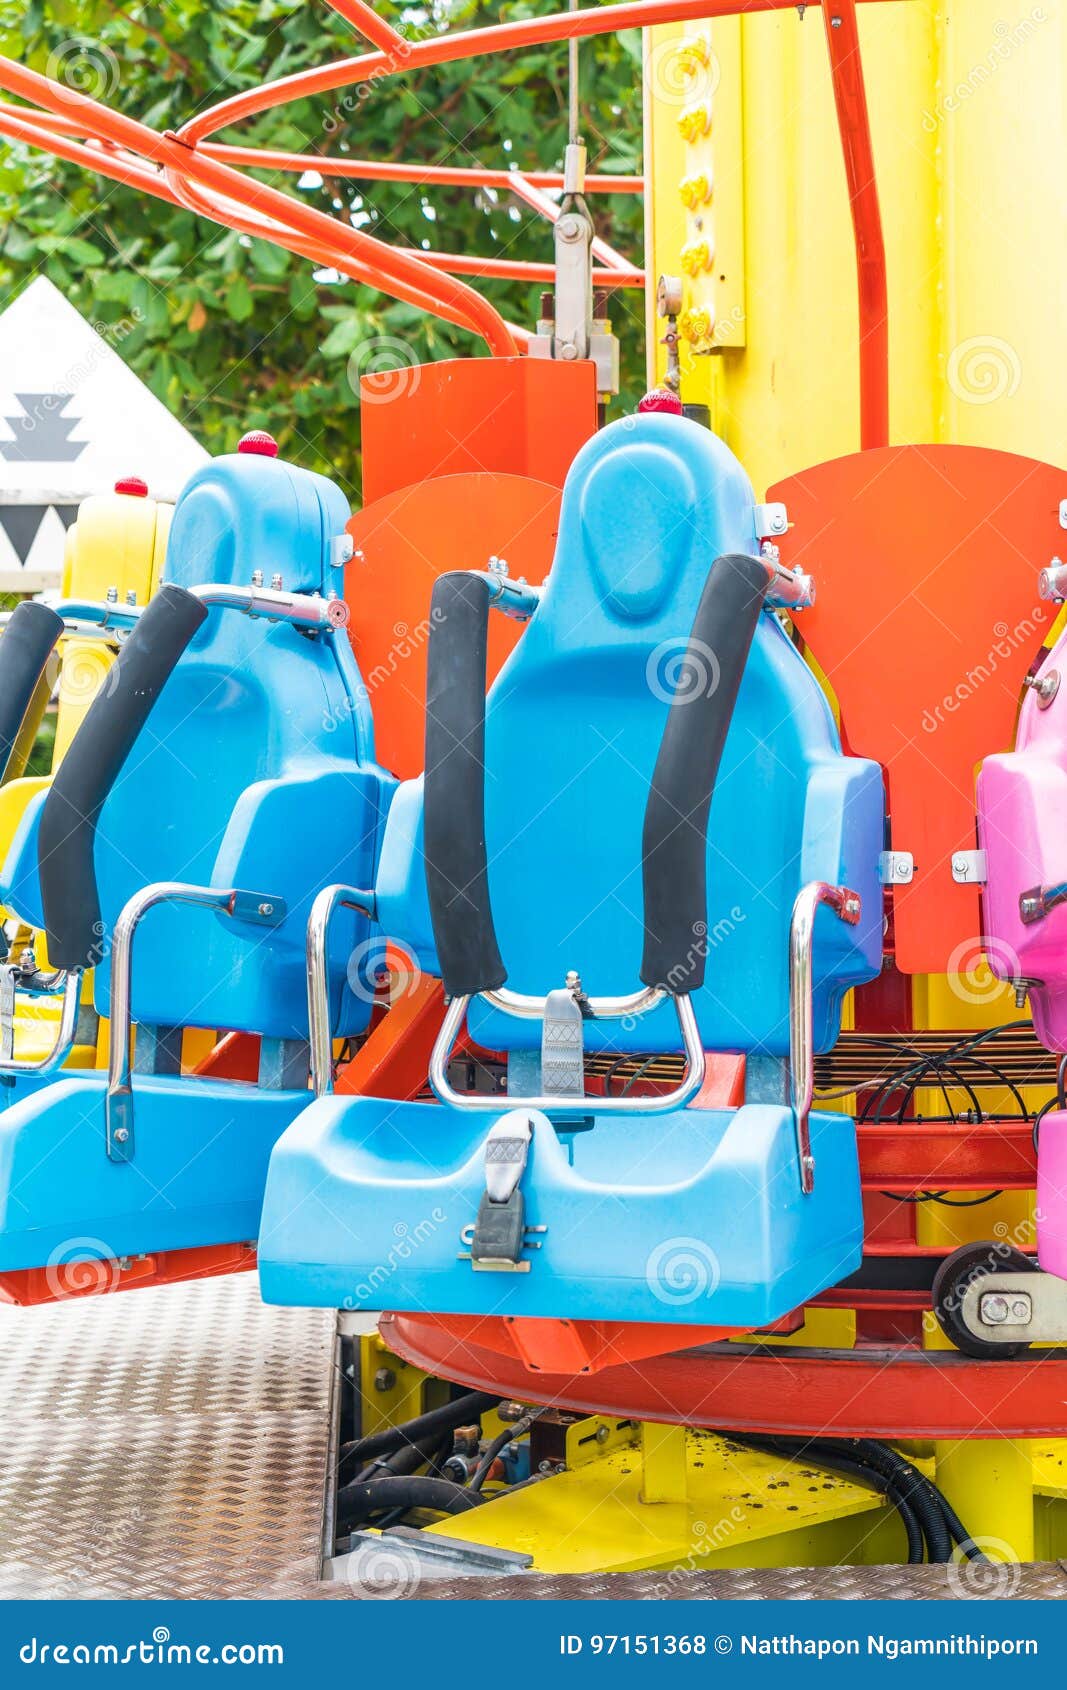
[499, 1234]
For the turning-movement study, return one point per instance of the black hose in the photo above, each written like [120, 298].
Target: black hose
[432, 1424]
[517, 1430]
[357, 1502]
[916, 1498]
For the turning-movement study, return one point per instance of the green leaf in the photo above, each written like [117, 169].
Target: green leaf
[239, 302]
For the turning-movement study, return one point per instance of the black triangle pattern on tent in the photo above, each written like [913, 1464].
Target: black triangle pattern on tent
[68, 514]
[20, 523]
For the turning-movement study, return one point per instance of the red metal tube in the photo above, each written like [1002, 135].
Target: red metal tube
[850, 98]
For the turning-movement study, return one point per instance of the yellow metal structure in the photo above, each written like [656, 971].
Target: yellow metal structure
[632, 1498]
[967, 112]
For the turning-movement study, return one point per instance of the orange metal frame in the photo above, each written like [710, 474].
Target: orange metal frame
[188, 168]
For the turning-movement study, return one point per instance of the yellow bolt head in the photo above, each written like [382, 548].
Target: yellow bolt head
[694, 191]
[695, 122]
[698, 325]
[694, 53]
[696, 256]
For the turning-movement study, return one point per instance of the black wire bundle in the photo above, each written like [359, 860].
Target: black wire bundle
[930, 1523]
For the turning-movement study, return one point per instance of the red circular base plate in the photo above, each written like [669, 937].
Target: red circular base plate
[880, 1393]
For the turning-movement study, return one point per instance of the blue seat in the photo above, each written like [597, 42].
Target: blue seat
[253, 769]
[577, 729]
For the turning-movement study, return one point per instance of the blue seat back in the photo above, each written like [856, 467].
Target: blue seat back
[573, 726]
[255, 770]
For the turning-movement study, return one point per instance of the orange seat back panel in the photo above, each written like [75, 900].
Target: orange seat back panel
[403, 542]
[926, 620]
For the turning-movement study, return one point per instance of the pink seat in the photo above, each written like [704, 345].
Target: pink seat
[1022, 827]
[1052, 1194]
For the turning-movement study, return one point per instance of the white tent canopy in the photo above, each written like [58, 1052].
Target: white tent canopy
[74, 419]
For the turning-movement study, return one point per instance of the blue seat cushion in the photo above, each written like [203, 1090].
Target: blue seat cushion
[196, 1177]
[696, 1217]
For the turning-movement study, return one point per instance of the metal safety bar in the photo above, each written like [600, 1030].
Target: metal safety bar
[682, 1094]
[90, 618]
[320, 1030]
[846, 905]
[303, 610]
[63, 1043]
[259, 908]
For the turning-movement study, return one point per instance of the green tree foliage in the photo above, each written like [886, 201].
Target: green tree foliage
[233, 333]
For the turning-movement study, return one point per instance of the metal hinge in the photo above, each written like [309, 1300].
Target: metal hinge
[896, 868]
[969, 868]
[771, 520]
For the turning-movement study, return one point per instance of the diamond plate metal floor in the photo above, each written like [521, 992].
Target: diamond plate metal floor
[169, 1442]
[176, 1442]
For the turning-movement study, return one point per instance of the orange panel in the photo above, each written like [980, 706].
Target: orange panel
[56, 1284]
[403, 543]
[926, 620]
[512, 416]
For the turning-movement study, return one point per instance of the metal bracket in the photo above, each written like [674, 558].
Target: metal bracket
[342, 548]
[896, 868]
[771, 521]
[1013, 1308]
[969, 868]
[1063, 513]
[254, 907]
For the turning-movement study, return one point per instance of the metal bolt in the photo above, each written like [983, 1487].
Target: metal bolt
[900, 869]
[276, 581]
[959, 865]
[384, 1379]
[569, 228]
[601, 1434]
[121, 1134]
[266, 909]
[835, 23]
[257, 577]
[112, 595]
[131, 596]
[994, 1310]
[1021, 1311]
[568, 351]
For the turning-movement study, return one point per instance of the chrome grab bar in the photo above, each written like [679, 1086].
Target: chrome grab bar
[594, 1009]
[320, 1032]
[303, 610]
[264, 910]
[568, 1106]
[846, 905]
[64, 1039]
[1035, 904]
[90, 619]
